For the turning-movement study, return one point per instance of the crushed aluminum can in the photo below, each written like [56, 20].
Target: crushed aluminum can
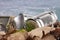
[44, 19]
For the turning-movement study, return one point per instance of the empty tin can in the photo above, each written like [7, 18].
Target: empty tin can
[41, 20]
[45, 18]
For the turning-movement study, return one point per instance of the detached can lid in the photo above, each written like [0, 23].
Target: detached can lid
[19, 21]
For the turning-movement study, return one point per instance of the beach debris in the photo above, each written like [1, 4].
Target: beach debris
[40, 20]
[45, 18]
[40, 27]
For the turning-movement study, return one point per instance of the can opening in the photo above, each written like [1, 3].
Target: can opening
[31, 24]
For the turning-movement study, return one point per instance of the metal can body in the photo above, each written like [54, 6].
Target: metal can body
[41, 20]
[46, 18]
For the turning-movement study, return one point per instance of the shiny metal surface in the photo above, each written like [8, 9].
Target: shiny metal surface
[44, 19]
[19, 21]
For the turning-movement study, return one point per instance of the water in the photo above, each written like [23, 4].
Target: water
[30, 11]
[58, 12]
[32, 7]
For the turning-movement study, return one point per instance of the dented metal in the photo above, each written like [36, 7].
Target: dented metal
[47, 19]
[43, 19]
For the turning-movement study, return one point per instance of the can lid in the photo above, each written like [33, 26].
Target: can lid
[19, 21]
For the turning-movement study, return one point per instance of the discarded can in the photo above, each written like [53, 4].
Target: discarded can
[40, 20]
[45, 18]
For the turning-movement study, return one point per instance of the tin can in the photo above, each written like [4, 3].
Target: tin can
[45, 18]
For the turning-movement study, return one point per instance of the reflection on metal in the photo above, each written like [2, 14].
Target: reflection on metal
[19, 21]
[46, 18]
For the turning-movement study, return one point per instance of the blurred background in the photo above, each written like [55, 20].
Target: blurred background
[31, 7]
